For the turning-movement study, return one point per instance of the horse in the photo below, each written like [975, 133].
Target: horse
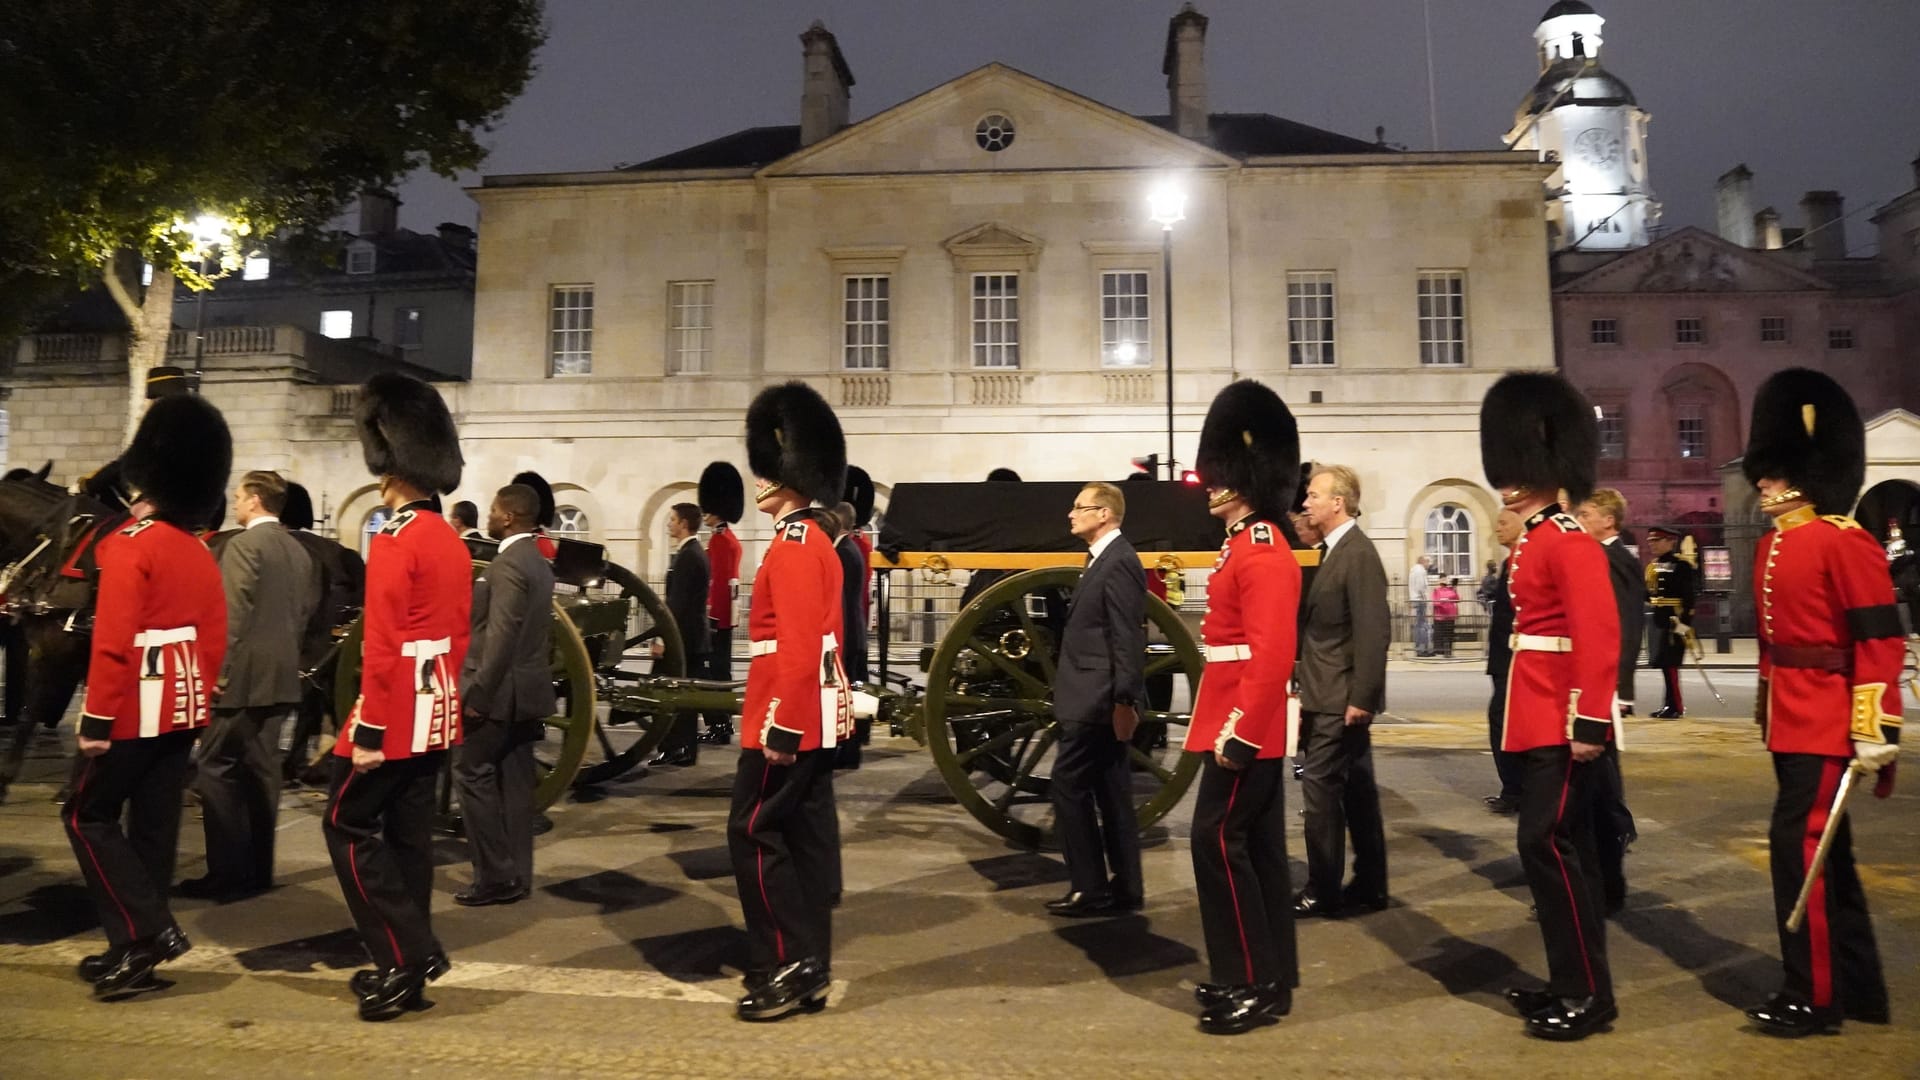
[47, 537]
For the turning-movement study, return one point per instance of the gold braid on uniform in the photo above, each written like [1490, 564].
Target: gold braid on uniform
[1782, 498]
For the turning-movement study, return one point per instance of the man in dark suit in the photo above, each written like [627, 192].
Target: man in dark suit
[506, 690]
[1342, 673]
[271, 587]
[340, 579]
[688, 579]
[1613, 829]
[465, 519]
[1097, 691]
[1509, 766]
[853, 618]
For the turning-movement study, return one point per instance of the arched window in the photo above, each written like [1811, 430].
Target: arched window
[570, 522]
[376, 521]
[1450, 541]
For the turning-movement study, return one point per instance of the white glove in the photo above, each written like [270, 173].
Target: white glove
[1873, 755]
[865, 705]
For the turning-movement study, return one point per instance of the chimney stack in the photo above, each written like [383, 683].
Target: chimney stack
[1766, 229]
[455, 235]
[1185, 66]
[1733, 198]
[379, 213]
[825, 85]
[1826, 231]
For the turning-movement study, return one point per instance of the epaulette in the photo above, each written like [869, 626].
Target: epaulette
[397, 522]
[796, 532]
[1840, 520]
[1568, 523]
[1261, 533]
[137, 527]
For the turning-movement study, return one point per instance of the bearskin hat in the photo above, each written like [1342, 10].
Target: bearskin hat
[794, 439]
[406, 431]
[298, 511]
[548, 508]
[1004, 475]
[1807, 432]
[180, 457]
[1251, 444]
[722, 493]
[1538, 432]
[860, 493]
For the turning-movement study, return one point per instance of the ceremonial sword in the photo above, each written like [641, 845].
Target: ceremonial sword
[1819, 860]
[1695, 654]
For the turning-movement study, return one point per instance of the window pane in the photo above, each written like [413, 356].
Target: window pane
[1124, 327]
[1310, 318]
[1442, 308]
[570, 349]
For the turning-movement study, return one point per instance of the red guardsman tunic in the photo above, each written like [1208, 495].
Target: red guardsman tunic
[723, 566]
[1830, 645]
[415, 623]
[797, 696]
[159, 634]
[1251, 633]
[1566, 650]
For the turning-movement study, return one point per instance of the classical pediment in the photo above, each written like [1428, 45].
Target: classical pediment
[1693, 260]
[996, 119]
[991, 239]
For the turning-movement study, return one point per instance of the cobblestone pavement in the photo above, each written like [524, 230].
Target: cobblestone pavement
[623, 959]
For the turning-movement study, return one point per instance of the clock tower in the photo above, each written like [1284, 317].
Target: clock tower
[1584, 119]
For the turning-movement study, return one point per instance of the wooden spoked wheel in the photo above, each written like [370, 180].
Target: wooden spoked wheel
[989, 706]
[634, 726]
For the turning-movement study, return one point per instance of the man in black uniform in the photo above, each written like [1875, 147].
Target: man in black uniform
[1672, 585]
[688, 579]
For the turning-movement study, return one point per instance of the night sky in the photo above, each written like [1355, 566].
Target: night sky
[1808, 93]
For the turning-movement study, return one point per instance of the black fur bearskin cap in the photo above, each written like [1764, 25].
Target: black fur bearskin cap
[406, 431]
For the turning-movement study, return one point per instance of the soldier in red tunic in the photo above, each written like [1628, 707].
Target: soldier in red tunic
[1538, 437]
[159, 636]
[783, 832]
[1249, 460]
[1830, 655]
[419, 592]
[723, 500]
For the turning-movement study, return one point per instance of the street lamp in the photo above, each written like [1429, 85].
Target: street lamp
[208, 231]
[1166, 205]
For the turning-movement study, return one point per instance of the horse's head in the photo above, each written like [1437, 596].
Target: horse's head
[29, 504]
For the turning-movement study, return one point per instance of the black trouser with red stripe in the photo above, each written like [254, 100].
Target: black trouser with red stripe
[783, 834]
[1556, 850]
[1240, 872]
[1832, 961]
[379, 830]
[129, 872]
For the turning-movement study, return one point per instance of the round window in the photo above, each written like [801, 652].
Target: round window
[994, 132]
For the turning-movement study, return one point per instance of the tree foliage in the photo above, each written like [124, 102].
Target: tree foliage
[121, 119]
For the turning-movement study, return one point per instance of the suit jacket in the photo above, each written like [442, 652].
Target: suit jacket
[1630, 596]
[1104, 643]
[271, 587]
[508, 673]
[336, 599]
[853, 606]
[687, 579]
[1500, 627]
[1345, 630]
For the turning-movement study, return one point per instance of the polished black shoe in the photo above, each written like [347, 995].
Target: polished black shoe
[366, 983]
[679, 757]
[717, 734]
[1501, 804]
[1791, 1017]
[1243, 1008]
[1527, 1001]
[1207, 995]
[1668, 712]
[1354, 898]
[1080, 905]
[1308, 906]
[1571, 1019]
[391, 991]
[92, 967]
[507, 892]
[801, 985]
[133, 973]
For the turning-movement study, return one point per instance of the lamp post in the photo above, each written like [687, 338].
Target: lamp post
[1167, 204]
[209, 231]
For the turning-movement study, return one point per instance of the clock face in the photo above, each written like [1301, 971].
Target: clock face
[1597, 147]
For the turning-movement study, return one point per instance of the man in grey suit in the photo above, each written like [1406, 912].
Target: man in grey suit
[506, 690]
[271, 587]
[688, 578]
[1342, 672]
[1097, 690]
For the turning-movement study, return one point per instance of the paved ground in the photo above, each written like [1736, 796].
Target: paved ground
[624, 957]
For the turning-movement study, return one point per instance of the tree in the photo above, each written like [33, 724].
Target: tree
[121, 121]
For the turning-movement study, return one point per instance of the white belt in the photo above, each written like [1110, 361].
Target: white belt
[1539, 643]
[432, 697]
[1218, 653]
[153, 677]
[769, 646]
